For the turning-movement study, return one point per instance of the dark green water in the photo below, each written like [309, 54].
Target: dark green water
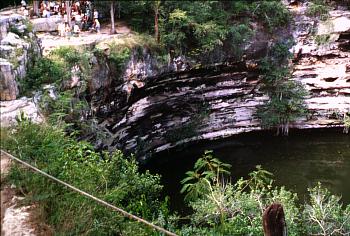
[297, 162]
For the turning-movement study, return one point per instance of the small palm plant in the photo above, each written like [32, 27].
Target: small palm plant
[208, 171]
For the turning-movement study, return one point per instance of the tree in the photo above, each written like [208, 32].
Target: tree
[112, 17]
[36, 8]
[68, 10]
[156, 20]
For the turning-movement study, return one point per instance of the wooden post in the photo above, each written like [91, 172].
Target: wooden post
[273, 221]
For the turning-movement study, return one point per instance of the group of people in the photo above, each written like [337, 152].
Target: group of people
[82, 16]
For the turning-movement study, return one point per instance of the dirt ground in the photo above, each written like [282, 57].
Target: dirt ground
[50, 41]
[18, 219]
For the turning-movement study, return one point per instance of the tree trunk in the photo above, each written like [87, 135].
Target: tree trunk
[112, 17]
[68, 11]
[36, 8]
[156, 21]
[273, 221]
[119, 9]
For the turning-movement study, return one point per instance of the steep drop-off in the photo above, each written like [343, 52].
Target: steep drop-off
[150, 111]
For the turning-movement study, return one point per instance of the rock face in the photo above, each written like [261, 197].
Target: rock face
[46, 24]
[8, 84]
[11, 109]
[18, 47]
[179, 107]
[323, 65]
[151, 111]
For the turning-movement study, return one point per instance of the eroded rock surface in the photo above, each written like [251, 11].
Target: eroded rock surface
[18, 47]
[323, 65]
[11, 109]
[149, 113]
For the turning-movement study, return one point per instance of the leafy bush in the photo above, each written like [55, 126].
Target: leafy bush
[273, 14]
[56, 68]
[238, 35]
[67, 109]
[318, 8]
[222, 208]
[286, 103]
[69, 56]
[111, 177]
[185, 30]
[44, 71]
[286, 96]
[119, 57]
[325, 215]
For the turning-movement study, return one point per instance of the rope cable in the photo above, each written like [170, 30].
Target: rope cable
[123, 212]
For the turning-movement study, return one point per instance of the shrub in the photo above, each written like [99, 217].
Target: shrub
[318, 8]
[273, 14]
[286, 103]
[325, 215]
[111, 177]
[222, 208]
[44, 71]
[286, 96]
[68, 57]
[119, 57]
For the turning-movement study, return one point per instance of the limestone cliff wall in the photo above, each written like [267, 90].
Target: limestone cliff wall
[323, 67]
[18, 47]
[152, 111]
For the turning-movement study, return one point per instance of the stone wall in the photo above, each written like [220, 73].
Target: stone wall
[18, 47]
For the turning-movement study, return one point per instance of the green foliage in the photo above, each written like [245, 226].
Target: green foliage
[285, 105]
[279, 52]
[68, 57]
[44, 71]
[318, 8]
[322, 39]
[112, 177]
[119, 57]
[206, 170]
[325, 214]
[222, 208]
[204, 29]
[66, 109]
[185, 30]
[15, 56]
[56, 68]
[135, 11]
[286, 97]
[13, 29]
[273, 14]
[29, 25]
[238, 35]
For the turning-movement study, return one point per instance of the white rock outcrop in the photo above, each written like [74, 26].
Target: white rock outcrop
[9, 110]
[18, 47]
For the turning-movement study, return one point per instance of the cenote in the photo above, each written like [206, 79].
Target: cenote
[298, 161]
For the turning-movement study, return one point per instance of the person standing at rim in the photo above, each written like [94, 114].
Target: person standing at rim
[97, 25]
